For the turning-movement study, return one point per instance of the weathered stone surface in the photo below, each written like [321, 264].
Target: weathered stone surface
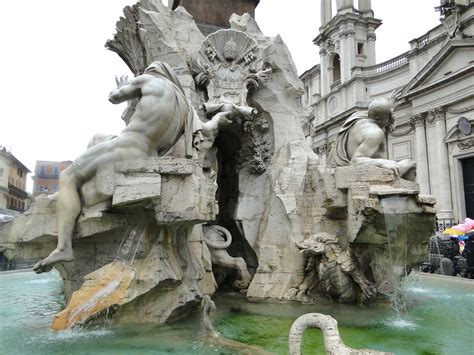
[258, 178]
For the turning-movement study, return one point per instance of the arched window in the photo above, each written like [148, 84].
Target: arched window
[336, 71]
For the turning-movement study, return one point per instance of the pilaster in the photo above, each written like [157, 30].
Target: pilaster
[445, 205]
[422, 167]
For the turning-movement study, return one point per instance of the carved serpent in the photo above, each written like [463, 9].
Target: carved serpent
[332, 340]
[218, 244]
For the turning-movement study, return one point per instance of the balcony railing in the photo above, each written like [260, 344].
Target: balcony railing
[385, 66]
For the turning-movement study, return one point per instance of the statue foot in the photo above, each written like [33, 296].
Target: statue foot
[56, 256]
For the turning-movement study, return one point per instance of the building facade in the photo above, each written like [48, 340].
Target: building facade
[431, 85]
[46, 179]
[13, 173]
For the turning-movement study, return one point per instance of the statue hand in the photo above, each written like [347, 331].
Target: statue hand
[225, 117]
[392, 165]
[121, 81]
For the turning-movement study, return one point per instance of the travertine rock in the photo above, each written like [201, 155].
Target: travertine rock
[259, 179]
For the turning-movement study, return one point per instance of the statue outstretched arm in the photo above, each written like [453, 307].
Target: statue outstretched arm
[211, 127]
[127, 90]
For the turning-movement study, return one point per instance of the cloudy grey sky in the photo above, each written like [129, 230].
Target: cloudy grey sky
[56, 73]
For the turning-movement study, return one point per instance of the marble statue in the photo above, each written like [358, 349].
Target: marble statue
[333, 343]
[334, 268]
[217, 244]
[161, 116]
[361, 141]
[218, 139]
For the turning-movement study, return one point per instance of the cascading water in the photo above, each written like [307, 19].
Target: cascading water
[131, 242]
[396, 224]
[107, 286]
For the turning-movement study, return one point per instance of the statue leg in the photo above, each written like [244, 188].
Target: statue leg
[68, 208]
[71, 180]
[222, 258]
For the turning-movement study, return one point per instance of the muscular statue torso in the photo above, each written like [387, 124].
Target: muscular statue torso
[153, 124]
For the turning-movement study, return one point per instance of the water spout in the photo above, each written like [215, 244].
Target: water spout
[396, 223]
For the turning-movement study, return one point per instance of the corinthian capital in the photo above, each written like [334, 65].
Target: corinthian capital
[418, 120]
[438, 114]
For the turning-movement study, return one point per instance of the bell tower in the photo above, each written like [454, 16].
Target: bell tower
[345, 40]
[212, 15]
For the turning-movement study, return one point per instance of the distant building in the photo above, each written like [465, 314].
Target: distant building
[13, 195]
[432, 86]
[46, 179]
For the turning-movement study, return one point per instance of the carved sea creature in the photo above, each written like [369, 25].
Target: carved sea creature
[336, 270]
[332, 340]
[218, 239]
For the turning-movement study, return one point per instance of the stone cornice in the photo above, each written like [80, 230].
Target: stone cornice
[412, 88]
[440, 82]
[337, 120]
[308, 74]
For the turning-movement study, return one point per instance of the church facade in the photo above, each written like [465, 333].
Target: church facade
[431, 85]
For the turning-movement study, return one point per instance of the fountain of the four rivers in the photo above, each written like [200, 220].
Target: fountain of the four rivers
[212, 192]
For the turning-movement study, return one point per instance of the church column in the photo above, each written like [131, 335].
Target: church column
[324, 70]
[326, 12]
[445, 205]
[347, 43]
[422, 172]
[370, 47]
[344, 5]
[365, 5]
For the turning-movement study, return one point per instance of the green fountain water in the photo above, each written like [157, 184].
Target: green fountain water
[439, 320]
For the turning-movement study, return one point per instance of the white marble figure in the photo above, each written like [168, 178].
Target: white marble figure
[217, 244]
[159, 120]
[334, 268]
[361, 141]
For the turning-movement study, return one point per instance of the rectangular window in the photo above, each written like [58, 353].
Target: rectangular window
[56, 170]
[42, 169]
[41, 188]
[55, 188]
[360, 48]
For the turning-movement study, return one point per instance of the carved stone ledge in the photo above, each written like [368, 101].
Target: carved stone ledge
[175, 187]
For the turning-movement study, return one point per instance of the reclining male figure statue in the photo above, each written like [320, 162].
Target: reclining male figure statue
[159, 120]
[361, 141]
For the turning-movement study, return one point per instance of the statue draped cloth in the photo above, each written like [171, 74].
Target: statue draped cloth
[338, 155]
[184, 114]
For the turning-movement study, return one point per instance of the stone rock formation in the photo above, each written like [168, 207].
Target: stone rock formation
[142, 256]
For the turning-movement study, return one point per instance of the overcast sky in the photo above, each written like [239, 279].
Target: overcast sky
[56, 73]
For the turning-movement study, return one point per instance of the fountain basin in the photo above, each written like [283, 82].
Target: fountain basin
[439, 321]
